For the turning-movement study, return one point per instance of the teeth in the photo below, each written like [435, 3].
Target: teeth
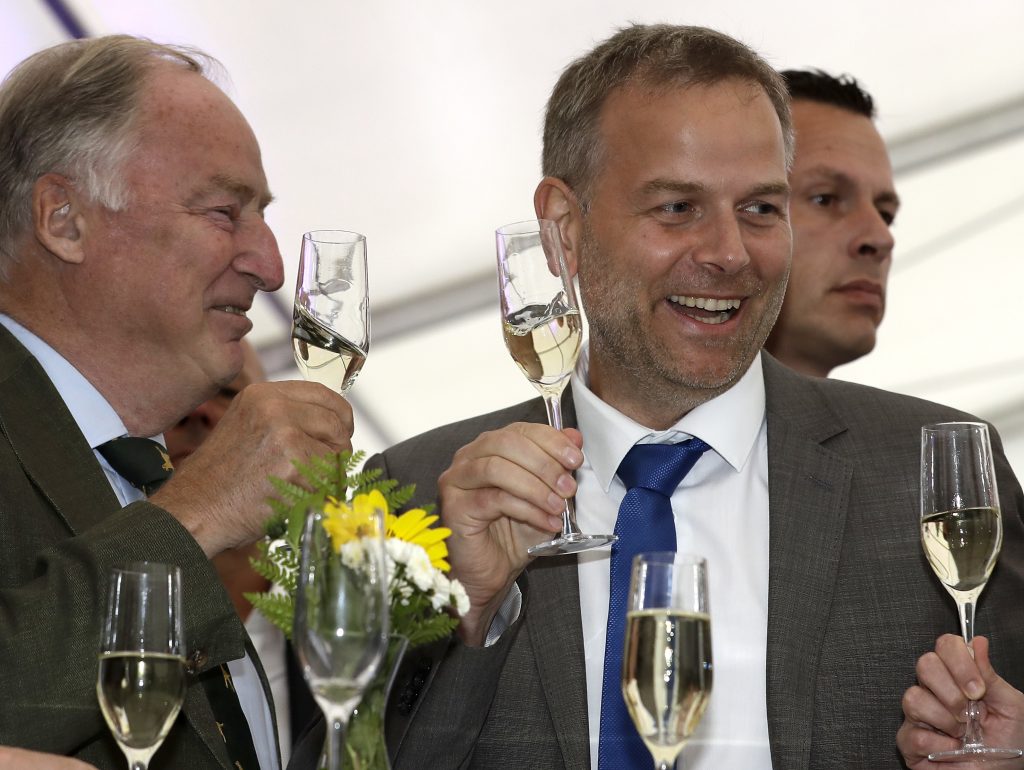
[707, 303]
[232, 309]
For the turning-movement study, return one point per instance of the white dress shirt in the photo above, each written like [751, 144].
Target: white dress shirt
[99, 423]
[721, 513]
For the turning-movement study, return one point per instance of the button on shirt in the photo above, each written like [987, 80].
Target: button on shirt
[99, 423]
[721, 513]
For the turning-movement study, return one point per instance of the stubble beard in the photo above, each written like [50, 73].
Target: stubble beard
[637, 371]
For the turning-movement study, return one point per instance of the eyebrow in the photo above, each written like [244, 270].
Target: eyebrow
[243, 191]
[889, 196]
[691, 188]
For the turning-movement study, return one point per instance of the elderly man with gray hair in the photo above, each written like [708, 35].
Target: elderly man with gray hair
[132, 243]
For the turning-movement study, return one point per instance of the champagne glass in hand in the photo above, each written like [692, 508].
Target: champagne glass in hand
[962, 532]
[543, 332]
[666, 666]
[341, 613]
[141, 682]
[331, 315]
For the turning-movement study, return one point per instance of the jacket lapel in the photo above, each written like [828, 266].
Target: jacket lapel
[808, 496]
[556, 635]
[48, 442]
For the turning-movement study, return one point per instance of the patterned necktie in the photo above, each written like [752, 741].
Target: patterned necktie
[231, 722]
[141, 462]
[651, 473]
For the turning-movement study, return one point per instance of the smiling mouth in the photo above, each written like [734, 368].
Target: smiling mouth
[707, 310]
[234, 310]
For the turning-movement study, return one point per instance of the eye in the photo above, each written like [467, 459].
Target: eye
[224, 213]
[676, 207]
[889, 217]
[760, 208]
[824, 199]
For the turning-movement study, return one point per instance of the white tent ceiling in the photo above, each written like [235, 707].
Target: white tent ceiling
[418, 124]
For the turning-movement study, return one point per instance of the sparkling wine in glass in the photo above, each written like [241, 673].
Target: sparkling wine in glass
[341, 623]
[666, 666]
[962, 532]
[543, 333]
[141, 680]
[331, 314]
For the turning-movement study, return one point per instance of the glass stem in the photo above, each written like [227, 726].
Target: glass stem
[553, 406]
[972, 730]
[335, 743]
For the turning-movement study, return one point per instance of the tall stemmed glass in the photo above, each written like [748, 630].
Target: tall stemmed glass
[543, 332]
[141, 680]
[341, 614]
[666, 666]
[962, 532]
[331, 314]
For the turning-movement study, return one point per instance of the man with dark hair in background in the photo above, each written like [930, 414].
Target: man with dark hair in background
[294, 706]
[842, 207]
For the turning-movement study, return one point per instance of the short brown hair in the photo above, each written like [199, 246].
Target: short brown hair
[71, 109]
[650, 56]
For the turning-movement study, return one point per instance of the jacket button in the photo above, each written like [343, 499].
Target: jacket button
[197, 661]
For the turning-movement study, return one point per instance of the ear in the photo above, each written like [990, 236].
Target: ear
[57, 219]
[555, 200]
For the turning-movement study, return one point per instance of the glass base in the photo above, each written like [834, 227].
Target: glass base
[977, 753]
[571, 543]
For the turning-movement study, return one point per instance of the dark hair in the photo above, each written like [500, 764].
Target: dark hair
[818, 86]
[645, 56]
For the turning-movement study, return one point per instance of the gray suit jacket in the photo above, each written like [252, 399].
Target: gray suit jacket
[852, 601]
[61, 529]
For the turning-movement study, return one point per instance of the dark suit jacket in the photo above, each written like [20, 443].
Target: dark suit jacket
[61, 529]
[852, 601]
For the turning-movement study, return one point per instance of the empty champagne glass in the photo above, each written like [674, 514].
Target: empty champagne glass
[666, 666]
[341, 614]
[141, 680]
[331, 314]
[543, 333]
[962, 532]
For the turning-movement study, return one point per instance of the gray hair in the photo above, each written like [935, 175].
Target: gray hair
[646, 56]
[72, 109]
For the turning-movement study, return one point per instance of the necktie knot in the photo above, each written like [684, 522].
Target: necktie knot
[141, 462]
[660, 467]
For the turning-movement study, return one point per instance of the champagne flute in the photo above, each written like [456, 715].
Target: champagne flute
[341, 614]
[962, 532]
[331, 314]
[141, 680]
[666, 666]
[543, 333]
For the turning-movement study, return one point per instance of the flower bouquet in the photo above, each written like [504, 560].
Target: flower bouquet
[424, 602]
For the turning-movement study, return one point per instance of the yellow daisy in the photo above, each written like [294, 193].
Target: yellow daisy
[415, 527]
[344, 523]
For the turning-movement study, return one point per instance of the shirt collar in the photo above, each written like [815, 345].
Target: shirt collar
[729, 423]
[94, 415]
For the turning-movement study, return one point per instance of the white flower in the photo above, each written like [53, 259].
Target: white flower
[442, 591]
[419, 569]
[460, 597]
[353, 555]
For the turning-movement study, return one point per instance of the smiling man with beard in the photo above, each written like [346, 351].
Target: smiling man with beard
[666, 153]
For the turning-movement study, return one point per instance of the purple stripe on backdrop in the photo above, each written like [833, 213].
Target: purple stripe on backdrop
[67, 18]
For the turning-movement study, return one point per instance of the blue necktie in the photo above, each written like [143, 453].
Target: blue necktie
[650, 473]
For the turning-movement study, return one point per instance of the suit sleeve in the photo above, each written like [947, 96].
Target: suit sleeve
[51, 608]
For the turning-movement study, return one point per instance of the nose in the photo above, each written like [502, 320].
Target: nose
[721, 246]
[259, 258]
[873, 237]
